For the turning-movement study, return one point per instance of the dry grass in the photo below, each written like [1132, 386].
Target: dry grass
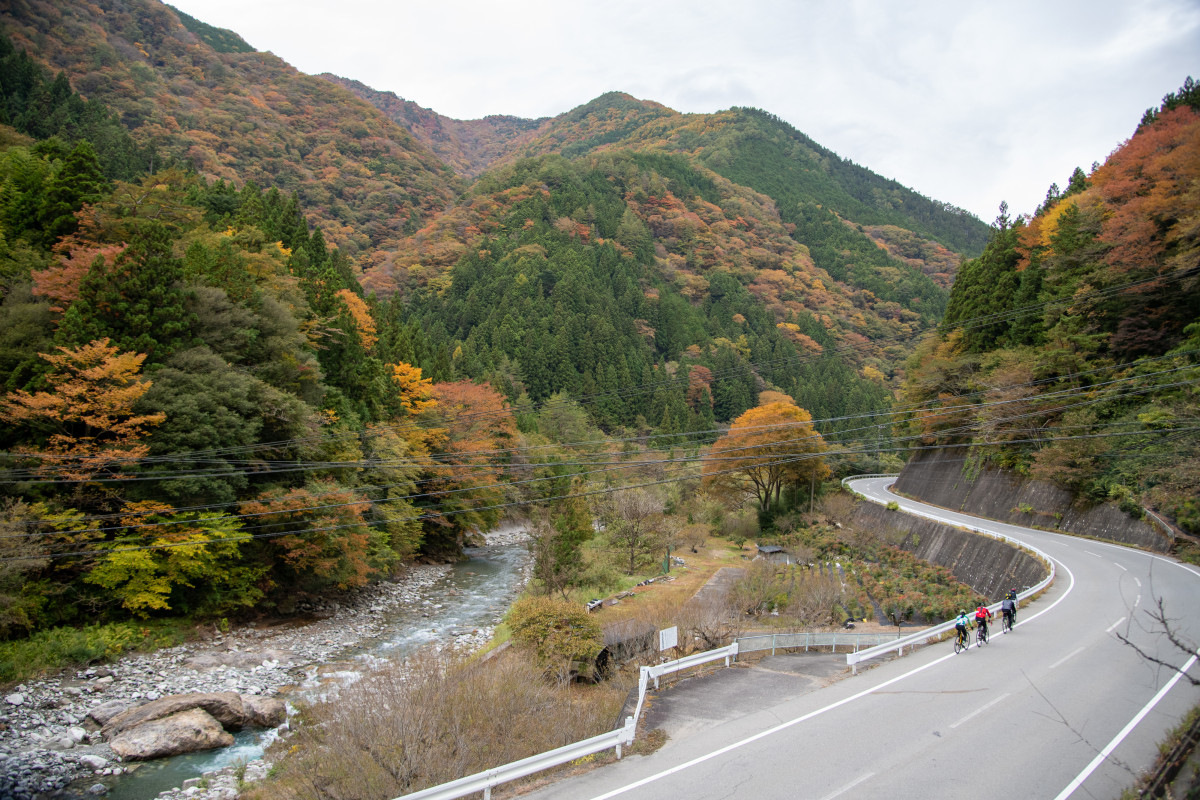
[429, 721]
[702, 625]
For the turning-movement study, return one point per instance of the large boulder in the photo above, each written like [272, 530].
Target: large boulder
[263, 712]
[226, 707]
[103, 713]
[241, 659]
[183, 732]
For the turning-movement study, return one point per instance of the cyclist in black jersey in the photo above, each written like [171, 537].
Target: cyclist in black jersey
[1008, 607]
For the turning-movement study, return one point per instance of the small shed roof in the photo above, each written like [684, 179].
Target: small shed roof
[770, 549]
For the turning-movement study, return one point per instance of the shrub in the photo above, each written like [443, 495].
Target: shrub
[562, 636]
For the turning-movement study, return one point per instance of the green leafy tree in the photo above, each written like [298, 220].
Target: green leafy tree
[139, 303]
[559, 539]
[171, 554]
[77, 180]
[562, 636]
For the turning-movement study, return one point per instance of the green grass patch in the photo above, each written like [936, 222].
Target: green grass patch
[62, 648]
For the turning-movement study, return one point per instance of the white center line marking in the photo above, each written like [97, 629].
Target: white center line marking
[1122, 567]
[1138, 582]
[849, 786]
[1113, 627]
[1065, 658]
[1137, 601]
[1090, 553]
[979, 710]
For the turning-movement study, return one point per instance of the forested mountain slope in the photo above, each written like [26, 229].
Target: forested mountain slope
[467, 146]
[1070, 350]
[232, 113]
[207, 408]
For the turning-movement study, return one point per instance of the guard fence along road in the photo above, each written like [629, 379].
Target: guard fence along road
[922, 636]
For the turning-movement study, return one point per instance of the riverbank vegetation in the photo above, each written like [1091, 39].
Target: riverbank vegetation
[432, 719]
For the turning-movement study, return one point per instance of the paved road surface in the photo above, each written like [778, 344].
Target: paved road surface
[1026, 717]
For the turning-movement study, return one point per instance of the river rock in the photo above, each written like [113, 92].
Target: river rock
[226, 707]
[15, 699]
[263, 712]
[104, 712]
[94, 762]
[184, 732]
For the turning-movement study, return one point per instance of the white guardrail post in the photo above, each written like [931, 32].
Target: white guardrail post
[920, 637]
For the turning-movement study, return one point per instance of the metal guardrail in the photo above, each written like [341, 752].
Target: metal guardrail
[872, 475]
[853, 659]
[694, 660]
[484, 781]
[808, 639]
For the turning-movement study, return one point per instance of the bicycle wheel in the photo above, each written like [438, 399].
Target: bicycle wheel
[981, 636]
[960, 644]
[1006, 623]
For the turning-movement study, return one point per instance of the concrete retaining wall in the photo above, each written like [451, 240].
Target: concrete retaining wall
[946, 478]
[989, 566]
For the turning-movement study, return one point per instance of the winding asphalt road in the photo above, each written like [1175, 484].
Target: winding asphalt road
[1058, 708]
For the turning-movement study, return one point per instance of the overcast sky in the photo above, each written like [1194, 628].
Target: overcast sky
[966, 102]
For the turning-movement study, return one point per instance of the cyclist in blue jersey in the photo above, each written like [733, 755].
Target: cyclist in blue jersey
[961, 625]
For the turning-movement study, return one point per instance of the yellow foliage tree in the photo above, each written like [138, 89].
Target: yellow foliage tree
[766, 448]
[87, 418]
[363, 321]
[171, 551]
[414, 392]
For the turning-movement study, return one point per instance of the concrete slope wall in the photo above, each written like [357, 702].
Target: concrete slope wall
[989, 566]
[946, 478]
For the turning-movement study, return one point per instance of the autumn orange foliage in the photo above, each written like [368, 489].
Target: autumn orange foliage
[87, 417]
[766, 448]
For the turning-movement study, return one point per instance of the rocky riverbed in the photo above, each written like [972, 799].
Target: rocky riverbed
[47, 740]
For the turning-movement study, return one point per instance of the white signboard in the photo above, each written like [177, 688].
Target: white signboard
[668, 638]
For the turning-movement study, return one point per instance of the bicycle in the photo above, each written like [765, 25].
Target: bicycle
[981, 635]
[1006, 622]
[961, 642]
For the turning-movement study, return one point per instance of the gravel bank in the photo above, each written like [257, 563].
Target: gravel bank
[47, 742]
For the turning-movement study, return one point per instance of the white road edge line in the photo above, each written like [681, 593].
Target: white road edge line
[784, 726]
[1133, 551]
[1113, 627]
[979, 710]
[849, 786]
[1099, 759]
[1066, 658]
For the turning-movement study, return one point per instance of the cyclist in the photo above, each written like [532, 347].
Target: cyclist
[1008, 607]
[961, 625]
[982, 616]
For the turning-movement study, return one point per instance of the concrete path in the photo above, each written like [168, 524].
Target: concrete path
[720, 695]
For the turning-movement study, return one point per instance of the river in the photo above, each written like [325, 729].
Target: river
[473, 595]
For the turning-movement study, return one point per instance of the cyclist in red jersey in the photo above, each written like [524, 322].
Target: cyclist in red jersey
[982, 617]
